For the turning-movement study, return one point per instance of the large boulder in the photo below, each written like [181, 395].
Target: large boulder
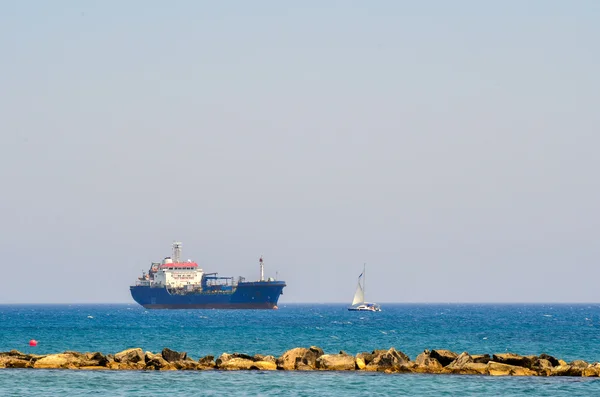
[460, 360]
[566, 370]
[263, 365]
[368, 357]
[481, 358]
[15, 362]
[156, 361]
[317, 350]
[553, 361]
[299, 358]
[230, 362]
[575, 368]
[464, 364]
[262, 357]
[207, 362]
[20, 356]
[445, 357]
[542, 366]
[426, 364]
[515, 359]
[130, 356]
[236, 364]
[95, 359]
[236, 361]
[390, 359]
[61, 360]
[336, 362]
[579, 364]
[359, 363]
[593, 370]
[172, 356]
[501, 369]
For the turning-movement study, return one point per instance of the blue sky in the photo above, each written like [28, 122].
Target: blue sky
[452, 146]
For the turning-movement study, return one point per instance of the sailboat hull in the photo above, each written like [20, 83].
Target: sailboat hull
[365, 307]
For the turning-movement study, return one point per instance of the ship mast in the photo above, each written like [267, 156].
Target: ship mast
[177, 251]
[364, 278]
[262, 269]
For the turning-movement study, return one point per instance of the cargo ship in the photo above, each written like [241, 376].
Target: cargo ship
[173, 284]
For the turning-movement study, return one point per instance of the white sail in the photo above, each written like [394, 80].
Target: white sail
[359, 295]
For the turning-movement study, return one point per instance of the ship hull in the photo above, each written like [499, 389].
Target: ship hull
[251, 295]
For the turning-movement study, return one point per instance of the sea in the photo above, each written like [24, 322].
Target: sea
[567, 331]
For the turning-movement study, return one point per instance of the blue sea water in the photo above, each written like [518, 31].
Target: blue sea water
[567, 331]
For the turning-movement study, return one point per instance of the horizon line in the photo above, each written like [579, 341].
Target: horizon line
[322, 303]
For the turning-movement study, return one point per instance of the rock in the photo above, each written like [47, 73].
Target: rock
[561, 362]
[239, 361]
[244, 356]
[234, 363]
[579, 364]
[551, 359]
[566, 370]
[514, 359]
[186, 365]
[95, 359]
[207, 362]
[387, 360]
[575, 368]
[445, 357]
[460, 360]
[269, 359]
[360, 362]
[172, 355]
[15, 362]
[135, 355]
[222, 359]
[426, 364]
[21, 356]
[481, 358]
[501, 369]
[592, 371]
[297, 358]
[61, 360]
[264, 365]
[262, 357]
[317, 350]
[368, 357]
[474, 369]
[155, 361]
[309, 360]
[464, 364]
[335, 362]
[542, 366]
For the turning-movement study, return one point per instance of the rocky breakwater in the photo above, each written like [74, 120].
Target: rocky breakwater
[311, 359]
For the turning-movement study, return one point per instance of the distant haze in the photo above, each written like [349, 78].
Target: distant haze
[452, 146]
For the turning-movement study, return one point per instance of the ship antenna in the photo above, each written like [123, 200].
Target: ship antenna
[177, 252]
[262, 269]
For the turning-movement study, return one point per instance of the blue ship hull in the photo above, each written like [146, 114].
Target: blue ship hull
[247, 295]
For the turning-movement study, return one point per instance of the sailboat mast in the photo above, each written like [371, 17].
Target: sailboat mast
[364, 277]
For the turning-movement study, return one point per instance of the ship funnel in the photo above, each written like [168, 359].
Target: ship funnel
[177, 251]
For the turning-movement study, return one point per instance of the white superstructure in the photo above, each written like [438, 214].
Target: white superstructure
[172, 273]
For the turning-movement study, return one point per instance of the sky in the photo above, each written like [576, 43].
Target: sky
[450, 146]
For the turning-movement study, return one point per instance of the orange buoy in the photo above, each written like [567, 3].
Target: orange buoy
[33, 342]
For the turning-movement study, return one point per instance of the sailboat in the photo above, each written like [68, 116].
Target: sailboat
[358, 303]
